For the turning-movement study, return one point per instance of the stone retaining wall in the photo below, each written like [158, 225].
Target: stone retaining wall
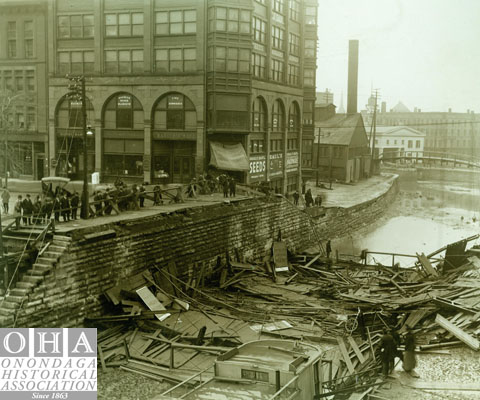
[103, 256]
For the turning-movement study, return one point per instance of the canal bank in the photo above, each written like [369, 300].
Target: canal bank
[99, 253]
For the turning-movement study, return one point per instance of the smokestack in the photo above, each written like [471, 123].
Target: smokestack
[352, 76]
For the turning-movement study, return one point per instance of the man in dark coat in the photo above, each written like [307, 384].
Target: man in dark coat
[141, 195]
[409, 359]
[74, 202]
[225, 187]
[309, 198]
[56, 208]
[232, 186]
[387, 347]
[296, 196]
[65, 206]
[17, 210]
[27, 207]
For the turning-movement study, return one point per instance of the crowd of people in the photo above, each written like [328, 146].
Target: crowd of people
[39, 211]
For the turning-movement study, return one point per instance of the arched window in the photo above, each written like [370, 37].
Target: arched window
[123, 111]
[278, 117]
[259, 115]
[69, 114]
[175, 111]
[294, 118]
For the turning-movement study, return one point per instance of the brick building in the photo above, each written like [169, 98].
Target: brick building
[167, 79]
[23, 89]
[446, 132]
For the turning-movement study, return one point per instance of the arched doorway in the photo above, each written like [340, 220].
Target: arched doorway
[123, 138]
[174, 136]
[69, 139]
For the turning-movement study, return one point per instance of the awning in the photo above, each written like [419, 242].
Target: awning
[228, 157]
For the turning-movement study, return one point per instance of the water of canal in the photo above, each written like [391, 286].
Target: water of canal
[427, 215]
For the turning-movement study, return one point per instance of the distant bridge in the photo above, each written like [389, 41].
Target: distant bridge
[430, 157]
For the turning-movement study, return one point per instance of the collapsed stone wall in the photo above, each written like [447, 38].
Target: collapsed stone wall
[103, 256]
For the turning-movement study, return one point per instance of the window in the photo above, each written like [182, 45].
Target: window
[124, 111]
[307, 147]
[28, 38]
[410, 144]
[176, 112]
[259, 29]
[278, 117]
[258, 62]
[75, 26]
[259, 116]
[257, 146]
[75, 62]
[294, 44]
[277, 70]
[310, 46]
[292, 144]
[175, 60]
[8, 80]
[278, 6]
[417, 144]
[294, 8]
[276, 145]
[311, 15]
[12, 39]
[388, 141]
[395, 141]
[19, 81]
[30, 80]
[292, 183]
[232, 20]
[293, 74]
[179, 22]
[123, 61]
[124, 24]
[294, 118]
[277, 37]
[232, 59]
[309, 77]
[31, 125]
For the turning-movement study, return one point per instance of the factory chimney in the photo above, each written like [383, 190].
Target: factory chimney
[352, 77]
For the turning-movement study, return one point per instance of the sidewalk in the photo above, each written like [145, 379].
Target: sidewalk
[349, 195]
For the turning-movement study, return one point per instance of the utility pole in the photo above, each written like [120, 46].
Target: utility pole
[374, 131]
[77, 92]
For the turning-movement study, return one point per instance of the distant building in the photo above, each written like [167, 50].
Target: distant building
[343, 151]
[323, 98]
[445, 132]
[397, 141]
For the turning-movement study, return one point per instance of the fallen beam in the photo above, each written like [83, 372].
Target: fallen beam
[457, 332]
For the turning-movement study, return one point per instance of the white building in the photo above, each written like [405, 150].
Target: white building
[398, 141]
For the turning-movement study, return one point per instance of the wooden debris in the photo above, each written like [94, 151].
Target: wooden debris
[457, 332]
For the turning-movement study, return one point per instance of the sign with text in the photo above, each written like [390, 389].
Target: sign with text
[124, 101]
[258, 167]
[276, 164]
[292, 161]
[48, 363]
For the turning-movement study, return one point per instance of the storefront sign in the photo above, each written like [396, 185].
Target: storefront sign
[192, 136]
[124, 101]
[292, 161]
[257, 167]
[276, 164]
[175, 101]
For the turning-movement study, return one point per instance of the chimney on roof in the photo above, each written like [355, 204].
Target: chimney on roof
[352, 77]
[384, 106]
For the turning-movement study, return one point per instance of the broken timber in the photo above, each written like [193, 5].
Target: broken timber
[457, 332]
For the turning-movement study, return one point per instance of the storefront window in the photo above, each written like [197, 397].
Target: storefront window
[176, 112]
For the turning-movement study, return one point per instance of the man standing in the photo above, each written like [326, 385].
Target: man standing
[387, 348]
[296, 196]
[5, 200]
[225, 187]
[409, 360]
[27, 206]
[309, 198]
[232, 186]
[141, 195]
[65, 206]
[74, 203]
[17, 209]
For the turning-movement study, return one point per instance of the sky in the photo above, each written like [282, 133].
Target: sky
[424, 53]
